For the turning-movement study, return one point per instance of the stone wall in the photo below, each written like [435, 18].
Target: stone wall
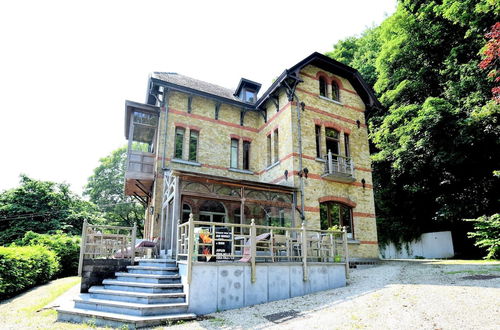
[213, 156]
[94, 271]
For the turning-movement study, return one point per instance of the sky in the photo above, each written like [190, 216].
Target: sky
[67, 67]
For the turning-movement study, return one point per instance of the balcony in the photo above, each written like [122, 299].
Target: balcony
[139, 176]
[141, 123]
[339, 168]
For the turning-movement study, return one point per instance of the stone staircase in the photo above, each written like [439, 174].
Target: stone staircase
[148, 294]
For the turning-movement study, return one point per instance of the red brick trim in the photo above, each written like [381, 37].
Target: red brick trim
[369, 242]
[318, 122]
[342, 200]
[339, 83]
[336, 126]
[181, 125]
[310, 209]
[307, 92]
[234, 136]
[194, 128]
[347, 120]
[363, 169]
[245, 138]
[270, 120]
[328, 79]
[313, 176]
[220, 122]
[363, 215]
[354, 108]
[214, 166]
[324, 75]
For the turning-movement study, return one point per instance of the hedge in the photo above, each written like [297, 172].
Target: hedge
[66, 247]
[24, 267]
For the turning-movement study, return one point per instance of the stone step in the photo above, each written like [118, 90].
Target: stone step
[85, 301]
[153, 270]
[147, 278]
[142, 287]
[99, 292]
[116, 320]
[157, 262]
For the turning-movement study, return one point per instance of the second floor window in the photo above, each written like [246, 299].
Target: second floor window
[276, 146]
[332, 141]
[317, 130]
[234, 153]
[335, 91]
[179, 142]
[193, 145]
[346, 145]
[269, 159]
[322, 86]
[246, 155]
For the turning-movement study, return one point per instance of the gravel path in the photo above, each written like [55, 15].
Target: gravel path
[393, 295]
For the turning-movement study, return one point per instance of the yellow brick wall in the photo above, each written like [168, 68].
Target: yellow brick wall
[214, 150]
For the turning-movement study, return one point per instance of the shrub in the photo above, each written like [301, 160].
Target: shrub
[487, 234]
[66, 248]
[22, 267]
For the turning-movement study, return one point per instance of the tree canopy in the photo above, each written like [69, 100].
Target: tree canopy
[437, 143]
[42, 207]
[105, 189]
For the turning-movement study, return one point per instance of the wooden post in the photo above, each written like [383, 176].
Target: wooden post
[304, 251]
[253, 250]
[190, 247]
[332, 249]
[82, 247]
[132, 242]
[179, 239]
[346, 252]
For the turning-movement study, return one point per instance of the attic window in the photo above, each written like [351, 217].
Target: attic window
[249, 96]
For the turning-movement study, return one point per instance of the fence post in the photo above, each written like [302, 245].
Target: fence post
[82, 247]
[346, 251]
[190, 247]
[253, 250]
[179, 239]
[304, 251]
[132, 242]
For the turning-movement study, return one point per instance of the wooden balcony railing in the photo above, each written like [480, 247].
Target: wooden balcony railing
[199, 241]
[106, 242]
[337, 165]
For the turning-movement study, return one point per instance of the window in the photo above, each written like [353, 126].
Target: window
[322, 86]
[336, 214]
[234, 153]
[335, 91]
[186, 210]
[317, 130]
[246, 155]
[269, 159]
[332, 141]
[249, 96]
[179, 142]
[346, 145]
[276, 146]
[193, 145]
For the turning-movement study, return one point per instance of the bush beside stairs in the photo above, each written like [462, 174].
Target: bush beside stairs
[148, 294]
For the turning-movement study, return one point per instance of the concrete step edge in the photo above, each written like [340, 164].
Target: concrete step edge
[128, 304]
[154, 276]
[102, 290]
[124, 317]
[173, 269]
[143, 285]
[157, 260]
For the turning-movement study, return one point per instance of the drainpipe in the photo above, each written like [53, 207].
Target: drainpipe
[299, 131]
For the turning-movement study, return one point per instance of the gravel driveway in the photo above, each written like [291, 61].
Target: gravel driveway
[417, 294]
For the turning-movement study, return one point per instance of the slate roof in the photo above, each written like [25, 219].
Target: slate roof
[181, 80]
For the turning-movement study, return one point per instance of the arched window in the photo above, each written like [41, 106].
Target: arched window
[335, 91]
[212, 211]
[186, 210]
[336, 214]
[322, 86]
[332, 141]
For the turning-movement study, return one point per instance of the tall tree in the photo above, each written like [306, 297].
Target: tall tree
[42, 207]
[105, 189]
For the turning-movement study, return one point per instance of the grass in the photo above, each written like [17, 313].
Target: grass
[473, 272]
[26, 311]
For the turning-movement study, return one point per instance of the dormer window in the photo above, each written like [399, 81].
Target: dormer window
[249, 96]
[247, 90]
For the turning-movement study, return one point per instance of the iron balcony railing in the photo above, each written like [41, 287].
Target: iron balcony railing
[338, 165]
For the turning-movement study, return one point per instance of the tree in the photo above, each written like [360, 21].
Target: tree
[105, 189]
[438, 141]
[42, 207]
[491, 59]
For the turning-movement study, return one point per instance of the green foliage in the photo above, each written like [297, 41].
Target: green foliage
[66, 248]
[437, 143]
[487, 234]
[25, 267]
[105, 189]
[44, 207]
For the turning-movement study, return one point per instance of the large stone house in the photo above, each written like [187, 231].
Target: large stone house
[300, 149]
[245, 196]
